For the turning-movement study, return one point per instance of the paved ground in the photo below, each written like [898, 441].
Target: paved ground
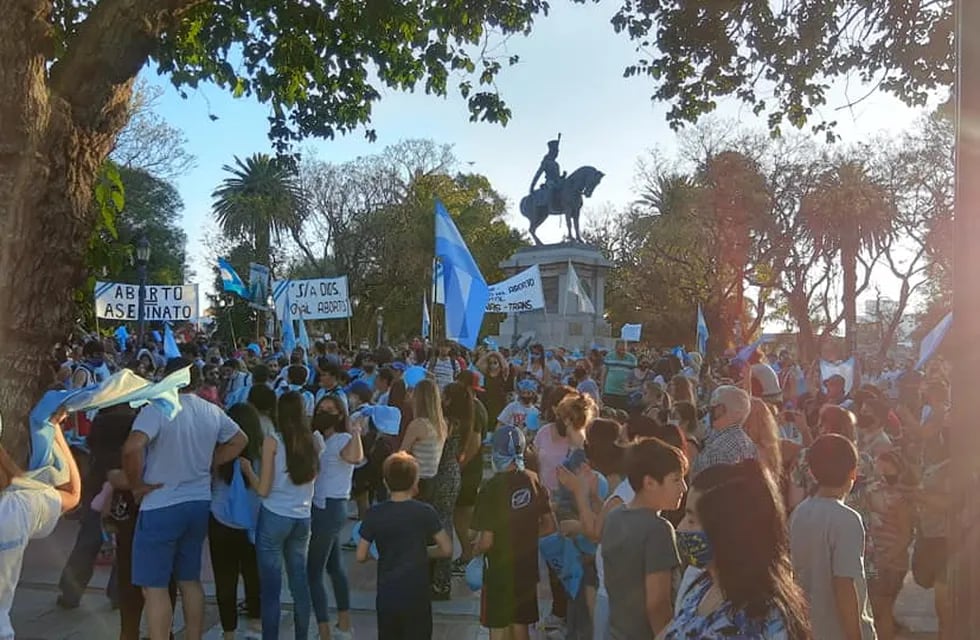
[35, 616]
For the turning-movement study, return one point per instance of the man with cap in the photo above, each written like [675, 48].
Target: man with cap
[552, 175]
[512, 511]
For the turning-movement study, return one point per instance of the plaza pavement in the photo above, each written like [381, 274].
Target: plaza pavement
[36, 617]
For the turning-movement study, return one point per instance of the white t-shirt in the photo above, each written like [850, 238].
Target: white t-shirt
[180, 452]
[28, 510]
[515, 414]
[285, 498]
[625, 493]
[334, 478]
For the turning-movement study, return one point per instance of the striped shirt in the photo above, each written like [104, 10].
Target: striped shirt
[428, 452]
[731, 445]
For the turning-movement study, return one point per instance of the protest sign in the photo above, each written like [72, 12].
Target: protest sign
[163, 303]
[522, 292]
[319, 299]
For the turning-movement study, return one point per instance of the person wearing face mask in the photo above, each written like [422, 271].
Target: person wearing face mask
[515, 414]
[727, 443]
[729, 505]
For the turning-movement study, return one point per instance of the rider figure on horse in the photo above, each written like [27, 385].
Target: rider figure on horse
[552, 176]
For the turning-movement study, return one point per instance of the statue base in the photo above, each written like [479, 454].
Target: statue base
[561, 323]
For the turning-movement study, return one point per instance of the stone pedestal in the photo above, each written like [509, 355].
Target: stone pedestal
[560, 323]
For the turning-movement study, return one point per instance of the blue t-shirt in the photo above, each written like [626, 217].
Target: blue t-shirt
[402, 531]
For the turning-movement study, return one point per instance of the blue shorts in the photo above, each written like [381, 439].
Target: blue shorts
[168, 543]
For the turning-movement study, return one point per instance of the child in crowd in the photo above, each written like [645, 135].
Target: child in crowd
[639, 549]
[403, 529]
[512, 511]
[827, 545]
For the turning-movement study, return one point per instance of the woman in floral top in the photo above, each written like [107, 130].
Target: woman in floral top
[747, 591]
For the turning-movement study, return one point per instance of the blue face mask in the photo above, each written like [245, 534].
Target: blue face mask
[695, 548]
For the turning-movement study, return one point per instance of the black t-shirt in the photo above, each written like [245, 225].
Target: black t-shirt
[105, 440]
[510, 505]
[403, 531]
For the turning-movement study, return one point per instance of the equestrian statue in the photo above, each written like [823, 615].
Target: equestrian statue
[560, 194]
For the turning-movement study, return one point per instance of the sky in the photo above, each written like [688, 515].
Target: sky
[569, 80]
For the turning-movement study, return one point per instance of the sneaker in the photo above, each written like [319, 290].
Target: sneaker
[556, 634]
[336, 633]
[459, 567]
[552, 621]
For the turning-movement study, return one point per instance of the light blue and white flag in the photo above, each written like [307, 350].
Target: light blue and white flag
[438, 282]
[303, 339]
[170, 348]
[929, 344]
[231, 282]
[702, 333]
[426, 320]
[466, 291]
[584, 305]
[288, 333]
[121, 387]
[122, 337]
[843, 369]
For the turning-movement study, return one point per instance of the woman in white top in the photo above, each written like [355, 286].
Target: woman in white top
[341, 450]
[426, 434]
[28, 510]
[290, 460]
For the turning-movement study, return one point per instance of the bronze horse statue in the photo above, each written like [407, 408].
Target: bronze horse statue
[537, 206]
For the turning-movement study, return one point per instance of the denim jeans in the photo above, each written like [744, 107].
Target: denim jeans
[325, 552]
[277, 538]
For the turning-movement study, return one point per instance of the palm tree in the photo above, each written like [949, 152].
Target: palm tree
[845, 214]
[259, 202]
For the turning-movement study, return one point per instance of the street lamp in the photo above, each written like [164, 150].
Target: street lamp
[354, 302]
[380, 324]
[142, 258]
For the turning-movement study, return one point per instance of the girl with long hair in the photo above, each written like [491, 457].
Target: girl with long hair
[290, 461]
[232, 554]
[747, 589]
[340, 450]
[458, 412]
[426, 434]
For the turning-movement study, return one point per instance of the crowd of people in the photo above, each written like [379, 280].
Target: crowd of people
[743, 497]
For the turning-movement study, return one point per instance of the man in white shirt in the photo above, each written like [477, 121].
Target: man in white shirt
[168, 467]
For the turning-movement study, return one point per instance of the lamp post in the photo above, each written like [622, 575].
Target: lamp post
[142, 258]
[381, 322]
[354, 302]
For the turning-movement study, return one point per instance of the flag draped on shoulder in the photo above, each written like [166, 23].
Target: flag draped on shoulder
[465, 289]
[575, 288]
[231, 282]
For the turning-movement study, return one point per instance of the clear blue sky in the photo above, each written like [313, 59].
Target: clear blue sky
[569, 80]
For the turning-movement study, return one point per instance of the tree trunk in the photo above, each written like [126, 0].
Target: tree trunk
[964, 513]
[848, 256]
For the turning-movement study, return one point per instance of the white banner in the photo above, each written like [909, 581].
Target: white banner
[522, 292]
[630, 332]
[163, 303]
[319, 299]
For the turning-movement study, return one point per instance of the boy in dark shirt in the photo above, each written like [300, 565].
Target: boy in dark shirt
[403, 529]
[512, 511]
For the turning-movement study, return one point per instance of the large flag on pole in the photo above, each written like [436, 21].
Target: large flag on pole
[303, 339]
[465, 290]
[575, 288]
[426, 320]
[702, 333]
[231, 282]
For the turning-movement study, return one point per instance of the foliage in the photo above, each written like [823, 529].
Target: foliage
[259, 203]
[151, 207]
[780, 58]
[149, 142]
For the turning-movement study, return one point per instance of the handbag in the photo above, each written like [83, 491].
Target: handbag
[242, 503]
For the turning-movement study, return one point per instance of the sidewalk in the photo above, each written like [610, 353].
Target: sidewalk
[36, 617]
